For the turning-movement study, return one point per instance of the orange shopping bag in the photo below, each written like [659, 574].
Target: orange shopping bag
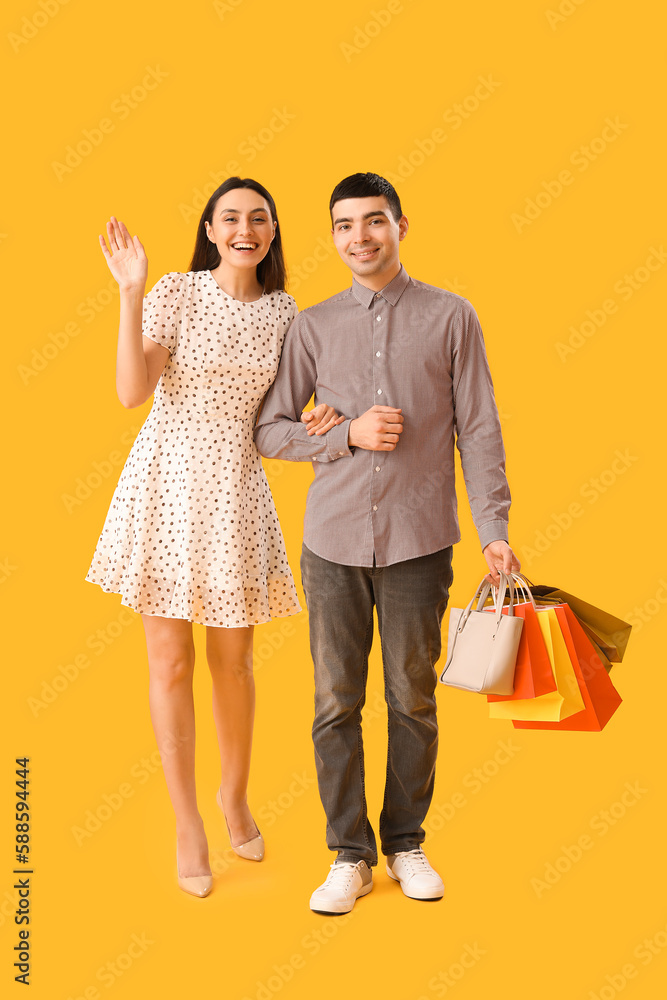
[601, 699]
[533, 675]
[555, 705]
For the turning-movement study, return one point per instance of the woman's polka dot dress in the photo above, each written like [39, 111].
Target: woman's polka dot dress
[192, 531]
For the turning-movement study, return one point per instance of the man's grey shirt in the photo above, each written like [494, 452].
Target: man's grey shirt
[412, 346]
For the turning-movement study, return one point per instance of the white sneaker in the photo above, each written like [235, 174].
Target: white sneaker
[418, 880]
[343, 886]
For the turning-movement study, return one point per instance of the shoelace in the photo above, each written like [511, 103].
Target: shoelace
[341, 874]
[416, 861]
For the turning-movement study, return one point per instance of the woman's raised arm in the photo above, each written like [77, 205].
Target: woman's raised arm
[139, 361]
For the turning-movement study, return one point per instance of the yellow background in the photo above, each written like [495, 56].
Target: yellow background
[361, 98]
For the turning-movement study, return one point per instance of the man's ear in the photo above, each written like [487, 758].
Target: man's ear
[403, 226]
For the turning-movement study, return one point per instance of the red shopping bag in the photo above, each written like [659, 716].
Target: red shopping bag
[601, 699]
[533, 675]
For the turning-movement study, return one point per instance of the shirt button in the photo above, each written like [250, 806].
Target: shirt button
[377, 468]
[341, 452]
[379, 392]
[378, 318]
[375, 507]
[377, 354]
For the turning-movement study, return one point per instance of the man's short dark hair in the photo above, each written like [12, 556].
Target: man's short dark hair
[366, 186]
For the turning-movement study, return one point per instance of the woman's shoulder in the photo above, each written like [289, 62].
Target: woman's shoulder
[182, 284]
[172, 281]
[283, 301]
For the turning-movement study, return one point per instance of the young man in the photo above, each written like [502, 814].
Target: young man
[404, 362]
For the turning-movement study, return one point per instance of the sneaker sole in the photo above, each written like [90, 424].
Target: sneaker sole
[337, 913]
[425, 895]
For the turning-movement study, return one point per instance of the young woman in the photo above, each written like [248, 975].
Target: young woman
[192, 533]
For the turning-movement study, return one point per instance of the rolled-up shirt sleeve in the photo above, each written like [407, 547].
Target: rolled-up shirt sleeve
[279, 432]
[478, 433]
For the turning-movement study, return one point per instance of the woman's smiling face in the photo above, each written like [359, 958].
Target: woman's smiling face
[241, 227]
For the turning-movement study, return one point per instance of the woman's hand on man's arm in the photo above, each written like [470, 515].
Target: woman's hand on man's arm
[320, 419]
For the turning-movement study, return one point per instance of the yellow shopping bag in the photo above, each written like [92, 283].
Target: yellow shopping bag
[555, 705]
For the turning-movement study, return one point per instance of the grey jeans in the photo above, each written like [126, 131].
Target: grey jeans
[411, 598]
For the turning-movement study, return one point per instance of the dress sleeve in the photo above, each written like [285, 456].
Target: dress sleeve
[291, 311]
[163, 310]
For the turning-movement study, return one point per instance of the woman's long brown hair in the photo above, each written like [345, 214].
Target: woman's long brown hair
[206, 257]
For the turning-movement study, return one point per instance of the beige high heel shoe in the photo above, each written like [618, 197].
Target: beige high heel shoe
[252, 850]
[196, 885]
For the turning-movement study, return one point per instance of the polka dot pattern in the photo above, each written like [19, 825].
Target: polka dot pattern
[192, 531]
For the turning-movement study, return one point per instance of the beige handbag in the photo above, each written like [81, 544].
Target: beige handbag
[482, 646]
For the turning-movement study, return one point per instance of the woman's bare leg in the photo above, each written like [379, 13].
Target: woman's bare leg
[229, 654]
[171, 659]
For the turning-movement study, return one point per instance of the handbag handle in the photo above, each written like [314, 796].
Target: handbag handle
[483, 590]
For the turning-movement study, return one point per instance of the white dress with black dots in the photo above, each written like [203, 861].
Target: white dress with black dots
[192, 531]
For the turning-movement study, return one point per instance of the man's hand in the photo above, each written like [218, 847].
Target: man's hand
[378, 429]
[499, 556]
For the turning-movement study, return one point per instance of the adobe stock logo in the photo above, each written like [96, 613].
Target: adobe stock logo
[112, 970]
[7, 569]
[100, 471]
[364, 34]
[447, 978]
[121, 108]
[645, 952]
[601, 824]
[222, 8]
[246, 151]
[625, 288]
[566, 8]
[33, 24]
[453, 117]
[591, 491]
[581, 158]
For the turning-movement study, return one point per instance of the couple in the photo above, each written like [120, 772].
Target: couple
[397, 369]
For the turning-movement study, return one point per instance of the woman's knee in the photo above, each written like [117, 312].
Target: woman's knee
[171, 667]
[236, 666]
[171, 651]
[230, 655]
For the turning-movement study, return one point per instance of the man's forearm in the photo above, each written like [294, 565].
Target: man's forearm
[282, 437]
[483, 465]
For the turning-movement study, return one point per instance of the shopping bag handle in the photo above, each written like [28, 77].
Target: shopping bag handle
[524, 587]
[550, 600]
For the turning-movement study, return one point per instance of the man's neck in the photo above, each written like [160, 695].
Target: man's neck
[376, 282]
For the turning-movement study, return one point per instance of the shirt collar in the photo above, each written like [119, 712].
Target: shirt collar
[391, 292]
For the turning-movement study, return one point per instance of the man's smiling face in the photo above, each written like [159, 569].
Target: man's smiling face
[367, 237]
